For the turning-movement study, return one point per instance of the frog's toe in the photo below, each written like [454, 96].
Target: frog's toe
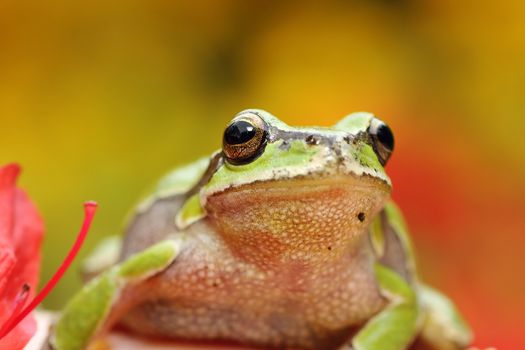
[394, 327]
[443, 327]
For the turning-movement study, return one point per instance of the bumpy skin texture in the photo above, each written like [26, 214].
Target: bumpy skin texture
[298, 248]
[291, 280]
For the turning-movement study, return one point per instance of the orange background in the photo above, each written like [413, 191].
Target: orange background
[98, 99]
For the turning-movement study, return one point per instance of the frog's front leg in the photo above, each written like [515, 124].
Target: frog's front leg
[443, 326]
[105, 255]
[94, 309]
[394, 327]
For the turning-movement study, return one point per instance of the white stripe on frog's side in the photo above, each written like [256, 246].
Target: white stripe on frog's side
[324, 161]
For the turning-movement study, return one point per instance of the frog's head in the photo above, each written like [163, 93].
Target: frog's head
[285, 192]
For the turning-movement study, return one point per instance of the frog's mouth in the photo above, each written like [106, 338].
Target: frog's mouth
[298, 217]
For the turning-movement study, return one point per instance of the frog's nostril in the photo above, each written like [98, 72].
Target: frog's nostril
[361, 216]
[312, 140]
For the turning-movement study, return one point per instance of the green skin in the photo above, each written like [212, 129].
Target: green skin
[410, 311]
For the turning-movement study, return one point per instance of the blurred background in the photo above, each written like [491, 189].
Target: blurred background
[98, 99]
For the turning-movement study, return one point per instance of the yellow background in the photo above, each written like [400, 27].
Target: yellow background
[100, 98]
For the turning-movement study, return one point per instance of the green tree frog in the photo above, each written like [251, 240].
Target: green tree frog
[284, 239]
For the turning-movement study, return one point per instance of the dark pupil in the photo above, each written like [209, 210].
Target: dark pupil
[239, 132]
[385, 136]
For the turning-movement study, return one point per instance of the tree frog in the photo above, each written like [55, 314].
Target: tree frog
[286, 238]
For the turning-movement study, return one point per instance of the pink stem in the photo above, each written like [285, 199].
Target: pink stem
[89, 212]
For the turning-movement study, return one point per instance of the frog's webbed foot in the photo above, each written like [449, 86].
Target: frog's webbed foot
[395, 326]
[443, 326]
[90, 312]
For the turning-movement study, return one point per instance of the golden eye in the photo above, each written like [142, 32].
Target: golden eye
[244, 138]
[382, 140]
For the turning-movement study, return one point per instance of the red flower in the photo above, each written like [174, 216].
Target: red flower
[21, 232]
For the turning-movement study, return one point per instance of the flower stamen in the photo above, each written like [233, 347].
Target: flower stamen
[17, 316]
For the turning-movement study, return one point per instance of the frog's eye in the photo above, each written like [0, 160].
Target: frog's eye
[244, 138]
[382, 139]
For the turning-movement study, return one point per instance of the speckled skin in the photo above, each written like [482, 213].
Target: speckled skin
[280, 264]
[283, 239]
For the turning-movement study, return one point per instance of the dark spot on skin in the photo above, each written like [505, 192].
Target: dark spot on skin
[329, 247]
[215, 284]
[285, 146]
[361, 216]
[337, 150]
[347, 139]
[312, 140]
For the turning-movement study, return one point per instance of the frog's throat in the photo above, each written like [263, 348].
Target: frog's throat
[307, 218]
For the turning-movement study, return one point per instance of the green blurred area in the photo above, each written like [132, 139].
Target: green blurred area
[98, 99]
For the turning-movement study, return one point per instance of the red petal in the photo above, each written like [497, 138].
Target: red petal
[8, 175]
[27, 238]
[7, 264]
[19, 336]
[21, 232]
[8, 261]
[16, 308]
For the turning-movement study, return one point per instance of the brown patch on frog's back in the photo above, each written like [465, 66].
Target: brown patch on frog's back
[394, 255]
[151, 226]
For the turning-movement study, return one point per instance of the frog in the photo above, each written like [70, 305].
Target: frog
[285, 238]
